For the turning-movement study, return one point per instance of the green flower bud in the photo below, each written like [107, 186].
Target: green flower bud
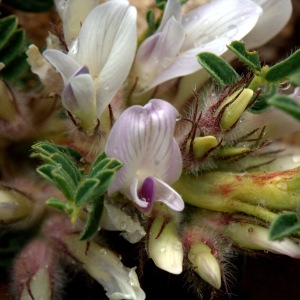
[233, 151]
[202, 145]
[240, 100]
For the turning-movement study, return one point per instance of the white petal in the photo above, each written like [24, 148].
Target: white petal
[119, 61]
[73, 15]
[99, 31]
[275, 15]
[221, 18]
[64, 64]
[187, 63]
[83, 89]
[164, 193]
[210, 28]
[172, 9]
[157, 52]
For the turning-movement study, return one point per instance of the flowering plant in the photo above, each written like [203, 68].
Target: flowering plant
[126, 138]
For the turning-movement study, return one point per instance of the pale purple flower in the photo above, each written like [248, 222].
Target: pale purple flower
[142, 139]
[106, 46]
[171, 51]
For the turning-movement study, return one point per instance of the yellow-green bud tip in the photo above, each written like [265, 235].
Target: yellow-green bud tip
[234, 110]
[203, 144]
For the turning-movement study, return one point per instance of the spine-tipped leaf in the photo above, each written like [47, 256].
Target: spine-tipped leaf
[58, 178]
[95, 209]
[7, 27]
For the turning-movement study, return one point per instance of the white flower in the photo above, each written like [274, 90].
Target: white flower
[99, 60]
[171, 51]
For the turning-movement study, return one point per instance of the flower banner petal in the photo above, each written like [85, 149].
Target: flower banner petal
[119, 61]
[142, 139]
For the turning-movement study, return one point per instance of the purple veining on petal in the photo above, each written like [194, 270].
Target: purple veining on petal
[143, 140]
[147, 192]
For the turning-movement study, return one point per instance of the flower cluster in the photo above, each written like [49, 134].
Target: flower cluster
[139, 146]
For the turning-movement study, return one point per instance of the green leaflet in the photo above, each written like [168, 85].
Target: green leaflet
[218, 69]
[261, 104]
[251, 59]
[106, 163]
[58, 178]
[12, 47]
[95, 209]
[7, 27]
[84, 192]
[15, 68]
[284, 225]
[285, 69]
[54, 202]
[55, 156]
[286, 104]
[92, 188]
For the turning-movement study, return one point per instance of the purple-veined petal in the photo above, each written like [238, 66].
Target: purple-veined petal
[157, 52]
[63, 63]
[142, 139]
[172, 9]
[166, 194]
[119, 61]
[221, 18]
[98, 34]
[275, 15]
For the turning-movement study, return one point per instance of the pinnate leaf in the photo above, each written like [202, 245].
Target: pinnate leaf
[218, 69]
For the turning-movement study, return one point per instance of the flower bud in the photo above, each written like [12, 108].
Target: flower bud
[255, 237]
[14, 205]
[202, 145]
[233, 151]
[232, 112]
[205, 264]
[164, 246]
[34, 271]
